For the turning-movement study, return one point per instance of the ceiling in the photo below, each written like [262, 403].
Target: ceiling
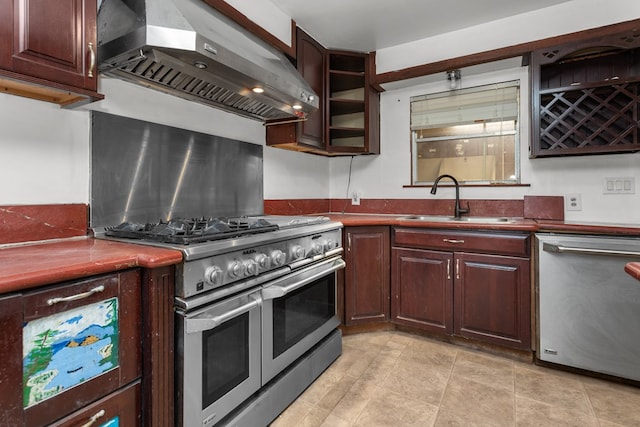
[369, 25]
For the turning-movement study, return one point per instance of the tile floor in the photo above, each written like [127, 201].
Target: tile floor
[396, 379]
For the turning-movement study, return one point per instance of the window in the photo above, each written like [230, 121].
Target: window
[471, 134]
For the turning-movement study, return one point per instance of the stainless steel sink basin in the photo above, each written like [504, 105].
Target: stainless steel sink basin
[470, 219]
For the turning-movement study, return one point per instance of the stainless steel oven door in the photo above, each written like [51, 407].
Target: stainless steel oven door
[218, 358]
[298, 311]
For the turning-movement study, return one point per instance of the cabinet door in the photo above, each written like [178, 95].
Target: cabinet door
[52, 40]
[308, 135]
[311, 57]
[367, 275]
[422, 289]
[11, 356]
[493, 299]
[81, 340]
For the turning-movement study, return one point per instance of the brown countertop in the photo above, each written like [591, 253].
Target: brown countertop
[519, 224]
[633, 269]
[40, 263]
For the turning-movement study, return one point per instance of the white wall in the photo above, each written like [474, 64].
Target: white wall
[564, 18]
[385, 176]
[44, 153]
[45, 149]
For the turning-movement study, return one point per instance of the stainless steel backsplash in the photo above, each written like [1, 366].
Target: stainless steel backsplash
[143, 172]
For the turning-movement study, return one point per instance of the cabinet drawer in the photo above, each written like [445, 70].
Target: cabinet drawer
[81, 341]
[121, 408]
[503, 243]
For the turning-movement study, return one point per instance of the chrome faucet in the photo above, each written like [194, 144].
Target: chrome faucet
[458, 211]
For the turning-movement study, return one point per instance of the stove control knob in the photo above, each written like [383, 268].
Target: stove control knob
[278, 257]
[236, 269]
[329, 244]
[317, 248]
[251, 268]
[263, 261]
[213, 276]
[297, 252]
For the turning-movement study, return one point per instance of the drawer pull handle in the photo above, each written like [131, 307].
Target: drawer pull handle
[76, 297]
[92, 60]
[452, 241]
[93, 419]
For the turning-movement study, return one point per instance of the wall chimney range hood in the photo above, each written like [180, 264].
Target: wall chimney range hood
[188, 49]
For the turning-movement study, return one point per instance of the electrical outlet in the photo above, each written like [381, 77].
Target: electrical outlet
[573, 202]
[355, 198]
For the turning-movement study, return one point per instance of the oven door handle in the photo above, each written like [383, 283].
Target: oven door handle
[278, 291]
[195, 325]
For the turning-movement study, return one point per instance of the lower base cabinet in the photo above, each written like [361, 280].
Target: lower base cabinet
[72, 353]
[366, 289]
[481, 296]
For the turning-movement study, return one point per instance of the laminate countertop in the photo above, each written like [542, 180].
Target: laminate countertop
[520, 224]
[25, 266]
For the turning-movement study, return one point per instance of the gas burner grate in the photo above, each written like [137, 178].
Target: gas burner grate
[185, 231]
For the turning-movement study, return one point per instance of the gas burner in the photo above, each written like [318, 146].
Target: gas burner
[185, 231]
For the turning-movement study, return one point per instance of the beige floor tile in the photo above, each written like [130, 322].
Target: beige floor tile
[532, 413]
[614, 402]
[336, 393]
[352, 404]
[420, 380]
[484, 369]
[468, 403]
[293, 415]
[387, 408]
[395, 379]
[334, 421]
[548, 386]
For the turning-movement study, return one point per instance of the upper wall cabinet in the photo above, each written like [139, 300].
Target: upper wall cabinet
[354, 106]
[48, 50]
[586, 97]
[347, 121]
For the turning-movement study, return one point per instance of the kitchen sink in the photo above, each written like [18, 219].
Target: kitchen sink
[469, 219]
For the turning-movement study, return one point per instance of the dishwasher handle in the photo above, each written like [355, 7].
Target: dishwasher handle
[550, 247]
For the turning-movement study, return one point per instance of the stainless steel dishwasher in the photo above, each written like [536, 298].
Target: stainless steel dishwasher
[588, 307]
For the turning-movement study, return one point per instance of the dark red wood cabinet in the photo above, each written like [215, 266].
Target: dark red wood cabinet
[82, 347]
[48, 47]
[347, 121]
[586, 96]
[468, 284]
[367, 274]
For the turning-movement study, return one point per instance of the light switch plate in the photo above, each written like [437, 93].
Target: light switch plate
[619, 185]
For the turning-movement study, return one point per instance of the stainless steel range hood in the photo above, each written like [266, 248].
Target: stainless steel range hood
[188, 49]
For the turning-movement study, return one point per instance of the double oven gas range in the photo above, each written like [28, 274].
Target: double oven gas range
[255, 311]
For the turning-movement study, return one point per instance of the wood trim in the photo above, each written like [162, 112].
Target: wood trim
[239, 18]
[502, 53]
[158, 347]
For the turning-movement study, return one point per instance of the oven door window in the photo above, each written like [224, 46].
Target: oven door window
[301, 312]
[225, 355]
